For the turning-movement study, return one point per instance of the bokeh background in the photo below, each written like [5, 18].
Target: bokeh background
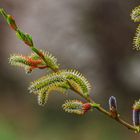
[92, 36]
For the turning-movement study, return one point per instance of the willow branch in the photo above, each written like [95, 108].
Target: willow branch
[27, 39]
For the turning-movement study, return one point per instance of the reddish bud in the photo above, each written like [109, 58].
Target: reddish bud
[34, 62]
[11, 22]
[86, 107]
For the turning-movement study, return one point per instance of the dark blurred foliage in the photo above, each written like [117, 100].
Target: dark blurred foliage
[93, 36]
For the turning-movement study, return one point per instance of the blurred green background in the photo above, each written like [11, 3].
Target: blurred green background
[93, 36]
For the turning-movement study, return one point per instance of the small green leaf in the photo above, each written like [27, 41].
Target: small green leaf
[25, 37]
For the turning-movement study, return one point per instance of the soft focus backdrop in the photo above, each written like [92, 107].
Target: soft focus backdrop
[93, 36]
